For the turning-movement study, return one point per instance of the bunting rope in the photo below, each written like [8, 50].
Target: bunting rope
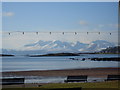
[75, 33]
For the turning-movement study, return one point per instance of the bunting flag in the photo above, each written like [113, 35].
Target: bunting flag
[75, 33]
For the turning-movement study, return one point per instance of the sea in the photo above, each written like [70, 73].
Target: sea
[25, 63]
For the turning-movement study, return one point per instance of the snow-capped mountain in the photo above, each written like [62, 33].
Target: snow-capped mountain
[41, 47]
[54, 45]
[98, 45]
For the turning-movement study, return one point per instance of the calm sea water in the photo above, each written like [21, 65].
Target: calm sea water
[22, 63]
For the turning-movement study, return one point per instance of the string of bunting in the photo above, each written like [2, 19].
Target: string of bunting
[75, 33]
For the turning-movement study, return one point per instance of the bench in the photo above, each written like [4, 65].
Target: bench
[82, 78]
[12, 81]
[113, 77]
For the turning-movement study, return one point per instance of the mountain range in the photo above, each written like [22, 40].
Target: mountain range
[115, 50]
[57, 46]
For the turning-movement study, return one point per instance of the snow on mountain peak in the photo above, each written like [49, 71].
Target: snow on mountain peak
[57, 44]
[60, 46]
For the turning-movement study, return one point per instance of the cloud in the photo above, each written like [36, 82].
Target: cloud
[109, 25]
[8, 14]
[100, 25]
[114, 25]
[83, 22]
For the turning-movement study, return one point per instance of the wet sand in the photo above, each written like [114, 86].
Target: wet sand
[94, 72]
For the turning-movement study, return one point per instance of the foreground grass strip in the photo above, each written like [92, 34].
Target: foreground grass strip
[111, 85]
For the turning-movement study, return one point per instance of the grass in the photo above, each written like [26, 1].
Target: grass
[111, 85]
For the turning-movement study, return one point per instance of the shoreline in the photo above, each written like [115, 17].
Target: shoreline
[93, 72]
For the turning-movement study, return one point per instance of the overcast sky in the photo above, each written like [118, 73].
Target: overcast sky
[58, 17]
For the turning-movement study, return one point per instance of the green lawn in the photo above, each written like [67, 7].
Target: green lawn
[112, 85]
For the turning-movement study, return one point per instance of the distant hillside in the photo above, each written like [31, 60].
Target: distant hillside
[6, 55]
[56, 54]
[111, 50]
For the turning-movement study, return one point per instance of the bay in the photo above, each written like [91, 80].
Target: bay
[23, 63]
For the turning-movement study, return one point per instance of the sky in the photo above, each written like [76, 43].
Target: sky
[32, 17]
[59, 16]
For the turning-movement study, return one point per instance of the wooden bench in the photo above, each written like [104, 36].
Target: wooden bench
[82, 78]
[113, 77]
[12, 81]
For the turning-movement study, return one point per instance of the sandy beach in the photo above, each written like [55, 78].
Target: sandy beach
[91, 72]
[95, 72]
